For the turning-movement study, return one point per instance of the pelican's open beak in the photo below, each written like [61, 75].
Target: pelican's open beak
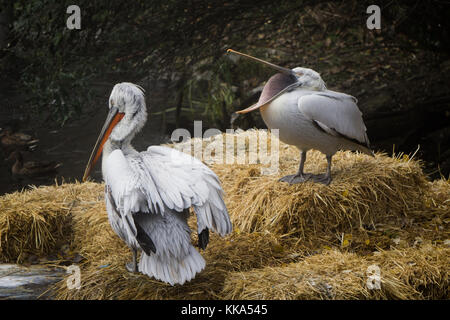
[274, 66]
[251, 108]
[113, 118]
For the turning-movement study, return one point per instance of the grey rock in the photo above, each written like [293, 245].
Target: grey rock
[27, 283]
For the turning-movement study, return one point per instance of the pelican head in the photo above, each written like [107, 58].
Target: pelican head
[128, 99]
[127, 115]
[309, 78]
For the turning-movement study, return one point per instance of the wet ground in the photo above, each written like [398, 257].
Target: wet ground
[71, 146]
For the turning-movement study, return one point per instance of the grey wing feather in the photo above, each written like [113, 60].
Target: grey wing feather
[121, 224]
[336, 113]
[178, 181]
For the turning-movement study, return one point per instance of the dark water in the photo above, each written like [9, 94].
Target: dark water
[72, 144]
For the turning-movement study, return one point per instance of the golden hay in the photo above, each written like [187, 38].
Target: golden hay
[439, 195]
[289, 242]
[365, 191]
[104, 275]
[37, 221]
[413, 273]
[366, 195]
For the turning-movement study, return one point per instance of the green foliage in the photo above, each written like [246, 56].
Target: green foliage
[216, 90]
[57, 94]
[131, 40]
[58, 65]
[211, 93]
[50, 76]
[120, 40]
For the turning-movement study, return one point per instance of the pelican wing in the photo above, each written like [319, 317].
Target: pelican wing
[335, 113]
[123, 195]
[164, 178]
[184, 181]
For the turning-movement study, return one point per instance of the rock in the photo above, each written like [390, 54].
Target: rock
[27, 283]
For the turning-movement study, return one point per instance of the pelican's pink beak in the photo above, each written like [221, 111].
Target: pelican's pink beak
[113, 118]
[249, 109]
[274, 66]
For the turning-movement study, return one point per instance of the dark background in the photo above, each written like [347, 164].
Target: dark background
[55, 82]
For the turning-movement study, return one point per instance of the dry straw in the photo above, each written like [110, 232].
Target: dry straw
[105, 277]
[305, 241]
[413, 273]
[37, 221]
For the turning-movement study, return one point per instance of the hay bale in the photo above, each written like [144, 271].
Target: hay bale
[365, 194]
[365, 191]
[404, 274]
[439, 195]
[37, 221]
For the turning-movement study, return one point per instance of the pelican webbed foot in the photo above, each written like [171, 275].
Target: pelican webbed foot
[321, 178]
[300, 176]
[296, 178]
[132, 265]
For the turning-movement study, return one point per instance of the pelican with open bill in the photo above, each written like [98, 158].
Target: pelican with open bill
[148, 194]
[309, 116]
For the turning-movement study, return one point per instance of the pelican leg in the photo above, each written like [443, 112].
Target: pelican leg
[132, 265]
[324, 178]
[300, 176]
